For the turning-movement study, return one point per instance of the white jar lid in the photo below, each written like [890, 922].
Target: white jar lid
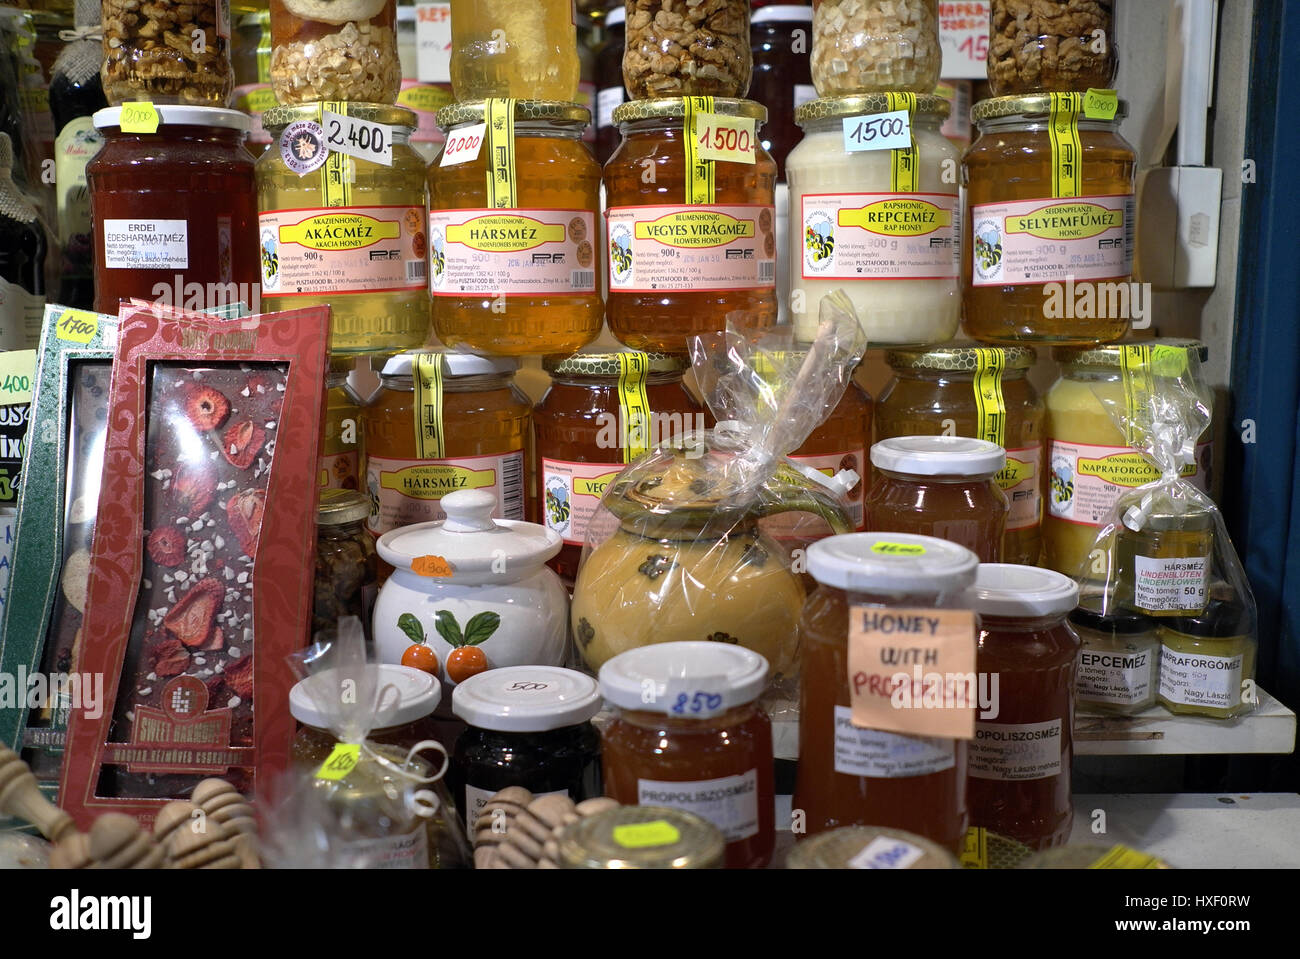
[649, 678]
[616, 16]
[1026, 592]
[453, 364]
[176, 115]
[782, 11]
[892, 564]
[938, 456]
[526, 699]
[420, 694]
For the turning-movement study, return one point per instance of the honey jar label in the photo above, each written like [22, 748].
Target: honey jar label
[1019, 479]
[340, 470]
[406, 491]
[146, 243]
[1031, 242]
[476, 798]
[524, 252]
[409, 851]
[570, 494]
[868, 236]
[1195, 679]
[350, 249]
[730, 803]
[1016, 752]
[1168, 584]
[1122, 678]
[1086, 481]
[699, 248]
[880, 755]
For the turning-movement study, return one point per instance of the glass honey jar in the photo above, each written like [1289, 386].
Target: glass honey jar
[336, 50]
[641, 837]
[512, 229]
[340, 458]
[1207, 659]
[982, 392]
[1164, 556]
[688, 734]
[1119, 661]
[347, 577]
[869, 847]
[690, 239]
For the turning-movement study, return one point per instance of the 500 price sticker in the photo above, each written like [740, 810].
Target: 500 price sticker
[880, 131]
[361, 139]
[463, 145]
[730, 139]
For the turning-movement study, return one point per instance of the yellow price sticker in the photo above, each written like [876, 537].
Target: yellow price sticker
[730, 139]
[76, 326]
[17, 371]
[340, 762]
[898, 549]
[644, 835]
[139, 117]
[1099, 104]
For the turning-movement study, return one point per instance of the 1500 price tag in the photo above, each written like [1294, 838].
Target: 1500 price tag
[730, 139]
[463, 145]
[880, 131]
[361, 139]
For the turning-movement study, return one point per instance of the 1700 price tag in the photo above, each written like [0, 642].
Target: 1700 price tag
[730, 139]
[361, 139]
[880, 131]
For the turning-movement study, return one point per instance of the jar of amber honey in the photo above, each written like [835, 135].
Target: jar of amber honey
[982, 392]
[944, 486]
[1049, 221]
[691, 239]
[513, 204]
[848, 774]
[688, 734]
[602, 411]
[340, 457]
[439, 423]
[1019, 782]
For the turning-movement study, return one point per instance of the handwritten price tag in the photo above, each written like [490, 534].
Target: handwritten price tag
[139, 118]
[1100, 104]
[361, 139]
[463, 145]
[17, 370]
[730, 139]
[341, 761]
[884, 853]
[880, 131]
[76, 326]
[644, 835]
[964, 39]
[697, 697]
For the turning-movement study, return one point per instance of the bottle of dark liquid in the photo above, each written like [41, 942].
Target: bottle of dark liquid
[22, 261]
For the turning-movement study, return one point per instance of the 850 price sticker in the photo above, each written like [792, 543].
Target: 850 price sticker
[880, 131]
[362, 139]
[730, 139]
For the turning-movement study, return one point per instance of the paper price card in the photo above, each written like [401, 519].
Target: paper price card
[340, 762]
[1099, 104]
[361, 139]
[964, 38]
[698, 697]
[463, 145]
[912, 671]
[880, 131]
[731, 139]
[17, 371]
[138, 117]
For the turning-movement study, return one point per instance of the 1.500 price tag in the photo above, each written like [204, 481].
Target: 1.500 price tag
[880, 131]
[731, 139]
[361, 139]
[463, 145]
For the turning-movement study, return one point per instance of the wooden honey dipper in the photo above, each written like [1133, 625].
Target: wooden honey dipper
[208, 847]
[221, 802]
[21, 798]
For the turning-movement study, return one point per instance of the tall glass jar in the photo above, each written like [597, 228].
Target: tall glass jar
[347, 577]
[779, 38]
[514, 48]
[337, 50]
[880, 224]
[1064, 46]
[689, 242]
[319, 219]
[340, 457]
[982, 392]
[865, 46]
[679, 49]
[1019, 784]
[167, 51]
[513, 230]
[1050, 223]
[850, 775]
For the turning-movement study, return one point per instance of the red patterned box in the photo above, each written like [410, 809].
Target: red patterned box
[201, 574]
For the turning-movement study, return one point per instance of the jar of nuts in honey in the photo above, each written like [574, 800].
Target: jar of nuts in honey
[513, 205]
[336, 50]
[340, 457]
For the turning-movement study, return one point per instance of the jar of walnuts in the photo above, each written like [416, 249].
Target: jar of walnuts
[1051, 47]
[166, 51]
[687, 48]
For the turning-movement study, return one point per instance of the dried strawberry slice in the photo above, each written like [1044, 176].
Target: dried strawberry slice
[206, 408]
[166, 546]
[216, 640]
[244, 515]
[190, 620]
[169, 658]
[239, 677]
[194, 489]
[241, 443]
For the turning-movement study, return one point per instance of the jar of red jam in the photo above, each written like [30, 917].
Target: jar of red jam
[1019, 771]
[175, 210]
[688, 734]
[586, 429]
[944, 486]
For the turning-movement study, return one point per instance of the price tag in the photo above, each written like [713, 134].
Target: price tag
[880, 131]
[433, 42]
[76, 326]
[17, 370]
[361, 139]
[964, 39]
[644, 835]
[435, 567]
[139, 117]
[341, 761]
[730, 139]
[696, 697]
[897, 549]
[463, 145]
[885, 853]
[1100, 104]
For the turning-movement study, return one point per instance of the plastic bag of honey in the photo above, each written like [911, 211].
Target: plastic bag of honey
[675, 550]
[1162, 550]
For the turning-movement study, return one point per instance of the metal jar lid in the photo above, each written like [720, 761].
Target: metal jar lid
[277, 118]
[865, 104]
[1034, 106]
[869, 847]
[339, 506]
[474, 111]
[606, 364]
[1109, 354]
[674, 108]
[959, 359]
[642, 837]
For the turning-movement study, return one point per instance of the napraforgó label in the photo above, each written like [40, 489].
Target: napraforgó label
[1085, 481]
[512, 252]
[352, 249]
[878, 236]
[695, 248]
[1047, 241]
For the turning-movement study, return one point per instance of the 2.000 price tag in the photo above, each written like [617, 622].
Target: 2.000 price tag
[463, 145]
[361, 139]
[730, 139]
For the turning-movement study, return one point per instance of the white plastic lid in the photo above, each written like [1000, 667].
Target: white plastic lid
[526, 699]
[649, 678]
[176, 115]
[782, 11]
[1025, 592]
[892, 563]
[453, 364]
[420, 694]
[938, 456]
[616, 16]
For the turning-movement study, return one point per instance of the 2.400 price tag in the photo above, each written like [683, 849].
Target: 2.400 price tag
[361, 139]
[730, 139]
[880, 131]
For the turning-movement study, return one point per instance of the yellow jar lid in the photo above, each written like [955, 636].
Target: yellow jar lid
[959, 359]
[1109, 354]
[674, 108]
[606, 364]
[473, 111]
[277, 118]
[1029, 106]
[865, 104]
[642, 837]
[338, 506]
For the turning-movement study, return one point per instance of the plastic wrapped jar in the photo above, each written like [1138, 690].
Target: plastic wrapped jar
[512, 229]
[174, 209]
[583, 432]
[982, 392]
[1119, 661]
[529, 726]
[641, 837]
[1049, 222]
[943, 486]
[1089, 462]
[865, 46]
[319, 221]
[849, 775]
[688, 734]
[442, 422]
[1019, 760]
[514, 48]
[880, 224]
[334, 50]
[340, 457]
[675, 48]
[167, 51]
[1169, 540]
[779, 37]
[689, 242]
[347, 567]
[1206, 660]
[1063, 46]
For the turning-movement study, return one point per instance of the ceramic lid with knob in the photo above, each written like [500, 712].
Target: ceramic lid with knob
[938, 456]
[469, 546]
[418, 695]
[689, 679]
[526, 699]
